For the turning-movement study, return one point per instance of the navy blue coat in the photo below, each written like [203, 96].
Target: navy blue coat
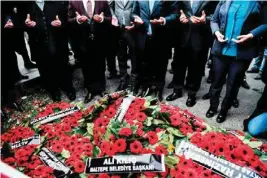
[253, 24]
[166, 9]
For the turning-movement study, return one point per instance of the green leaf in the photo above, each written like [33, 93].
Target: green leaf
[65, 153]
[264, 157]
[157, 122]
[134, 128]
[83, 175]
[254, 144]
[258, 152]
[96, 151]
[90, 128]
[107, 135]
[175, 132]
[148, 121]
[171, 161]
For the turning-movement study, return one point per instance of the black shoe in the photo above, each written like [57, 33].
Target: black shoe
[170, 85]
[71, 95]
[134, 89]
[56, 96]
[211, 112]
[253, 70]
[113, 76]
[206, 96]
[235, 103]
[23, 77]
[88, 97]
[191, 101]
[221, 117]
[245, 85]
[175, 95]
[122, 86]
[30, 65]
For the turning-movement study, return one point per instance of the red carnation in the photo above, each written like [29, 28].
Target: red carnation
[152, 137]
[141, 116]
[176, 120]
[103, 176]
[161, 150]
[79, 166]
[120, 145]
[190, 173]
[125, 132]
[136, 147]
[57, 148]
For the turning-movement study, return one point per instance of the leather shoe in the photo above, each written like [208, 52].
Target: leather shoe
[71, 95]
[245, 85]
[170, 85]
[221, 117]
[88, 97]
[30, 65]
[206, 96]
[253, 70]
[211, 112]
[175, 95]
[122, 86]
[191, 101]
[235, 103]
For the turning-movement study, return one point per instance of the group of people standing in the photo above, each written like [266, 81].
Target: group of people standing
[144, 32]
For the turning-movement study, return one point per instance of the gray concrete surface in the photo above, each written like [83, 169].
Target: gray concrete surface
[248, 98]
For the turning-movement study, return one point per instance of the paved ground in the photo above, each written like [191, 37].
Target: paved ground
[247, 98]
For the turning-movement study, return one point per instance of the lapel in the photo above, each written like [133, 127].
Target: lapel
[187, 6]
[200, 5]
[251, 6]
[82, 8]
[126, 3]
[156, 3]
[146, 5]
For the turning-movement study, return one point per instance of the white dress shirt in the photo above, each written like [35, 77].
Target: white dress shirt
[85, 5]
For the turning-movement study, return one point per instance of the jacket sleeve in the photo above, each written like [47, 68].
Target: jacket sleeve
[71, 14]
[211, 11]
[215, 21]
[135, 10]
[262, 29]
[173, 6]
[107, 13]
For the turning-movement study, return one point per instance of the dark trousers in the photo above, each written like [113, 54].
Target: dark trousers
[154, 63]
[126, 41]
[112, 50]
[222, 66]
[93, 65]
[192, 61]
[54, 69]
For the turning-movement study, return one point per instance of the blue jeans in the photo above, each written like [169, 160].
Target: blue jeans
[260, 61]
[258, 125]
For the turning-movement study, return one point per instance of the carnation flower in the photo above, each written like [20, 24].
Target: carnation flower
[136, 147]
[79, 167]
[140, 116]
[161, 150]
[152, 137]
[125, 132]
[120, 145]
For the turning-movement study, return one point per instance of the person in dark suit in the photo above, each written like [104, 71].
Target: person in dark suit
[193, 48]
[17, 16]
[151, 19]
[121, 18]
[237, 25]
[91, 19]
[46, 22]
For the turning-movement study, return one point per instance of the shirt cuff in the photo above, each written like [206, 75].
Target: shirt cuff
[164, 21]
[102, 19]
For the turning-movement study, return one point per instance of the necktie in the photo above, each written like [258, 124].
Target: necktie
[89, 9]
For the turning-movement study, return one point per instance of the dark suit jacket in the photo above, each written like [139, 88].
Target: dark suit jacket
[198, 36]
[44, 36]
[253, 24]
[166, 9]
[83, 31]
